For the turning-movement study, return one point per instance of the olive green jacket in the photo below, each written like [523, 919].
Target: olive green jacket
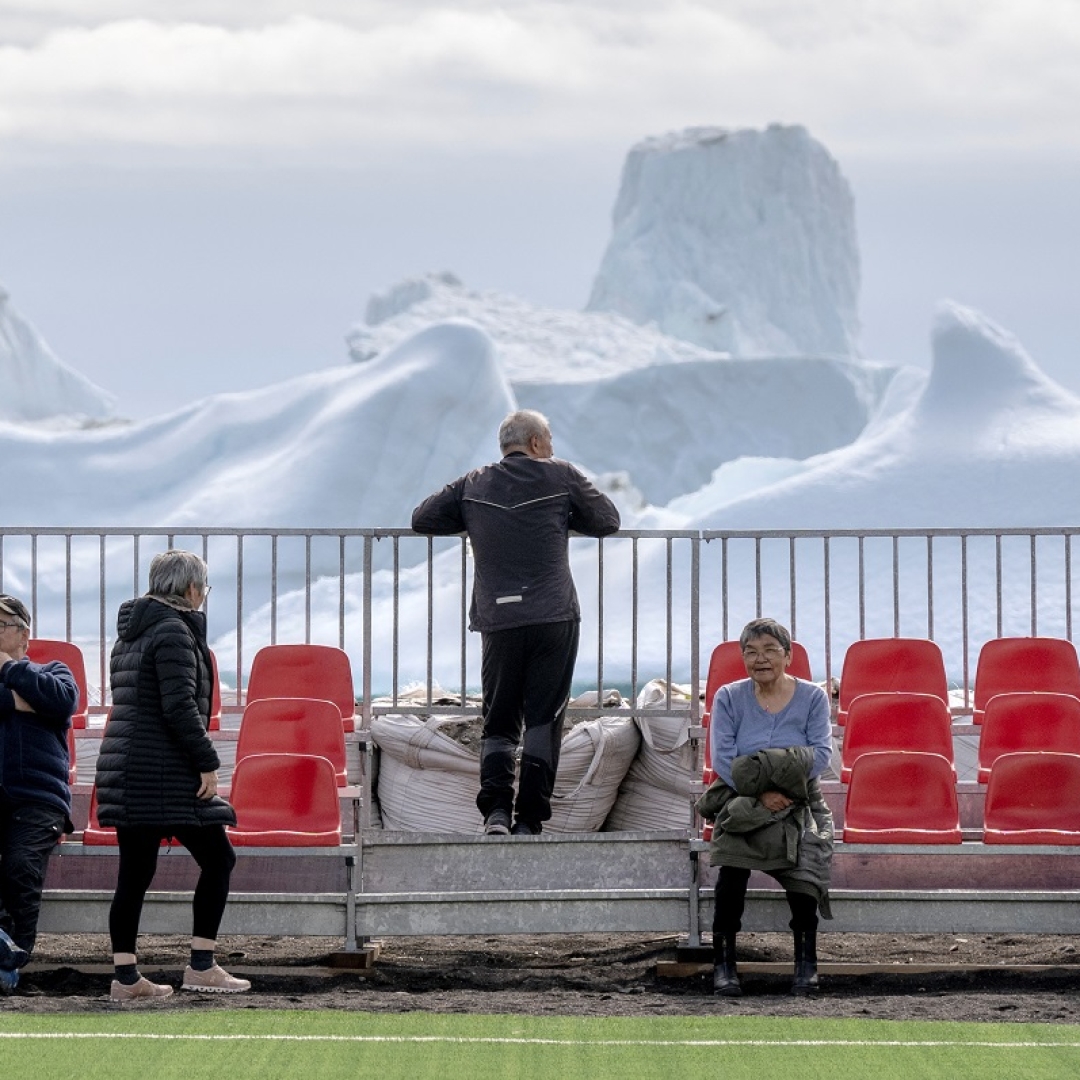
[793, 845]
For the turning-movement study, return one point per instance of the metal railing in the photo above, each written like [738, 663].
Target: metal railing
[654, 603]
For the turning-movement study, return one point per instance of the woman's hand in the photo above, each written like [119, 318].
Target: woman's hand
[775, 801]
[208, 785]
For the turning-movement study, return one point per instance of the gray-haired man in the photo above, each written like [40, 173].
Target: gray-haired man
[519, 513]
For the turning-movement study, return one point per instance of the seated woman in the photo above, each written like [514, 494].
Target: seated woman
[771, 737]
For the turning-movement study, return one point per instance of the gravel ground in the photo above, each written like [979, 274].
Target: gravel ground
[1026, 978]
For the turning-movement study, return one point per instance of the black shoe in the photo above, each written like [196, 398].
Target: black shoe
[497, 823]
[725, 974]
[525, 828]
[806, 973]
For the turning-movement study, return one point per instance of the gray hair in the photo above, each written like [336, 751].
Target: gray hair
[173, 572]
[765, 628]
[519, 427]
[11, 605]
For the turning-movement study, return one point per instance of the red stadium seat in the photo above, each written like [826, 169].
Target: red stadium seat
[902, 797]
[312, 671]
[95, 834]
[285, 800]
[891, 665]
[1032, 721]
[894, 721]
[73, 770]
[42, 650]
[726, 666]
[1010, 665]
[215, 695]
[294, 726]
[1033, 798]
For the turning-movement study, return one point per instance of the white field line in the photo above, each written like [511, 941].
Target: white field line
[522, 1041]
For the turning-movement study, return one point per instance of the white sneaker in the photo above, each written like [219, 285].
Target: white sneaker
[143, 989]
[214, 981]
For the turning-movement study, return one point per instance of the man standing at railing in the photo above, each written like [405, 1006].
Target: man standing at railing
[36, 705]
[518, 513]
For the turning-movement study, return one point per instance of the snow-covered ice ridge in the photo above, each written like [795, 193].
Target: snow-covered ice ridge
[35, 385]
[739, 241]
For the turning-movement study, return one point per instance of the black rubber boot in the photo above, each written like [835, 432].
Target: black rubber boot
[806, 976]
[725, 979]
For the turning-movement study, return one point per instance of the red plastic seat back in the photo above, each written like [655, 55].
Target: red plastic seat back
[73, 769]
[285, 800]
[94, 833]
[896, 721]
[1009, 665]
[891, 665]
[902, 797]
[293, 726]
[1033, 798]
[1032, 721]
[726, 666]
[215, 695]
[312, 671]
[42, 650]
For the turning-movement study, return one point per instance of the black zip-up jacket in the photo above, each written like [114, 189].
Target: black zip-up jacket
[156, 742]
[519, 513]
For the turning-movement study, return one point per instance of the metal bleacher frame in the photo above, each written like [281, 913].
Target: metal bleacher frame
[380, 883]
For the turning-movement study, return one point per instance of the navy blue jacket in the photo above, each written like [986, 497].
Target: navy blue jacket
[34, 757]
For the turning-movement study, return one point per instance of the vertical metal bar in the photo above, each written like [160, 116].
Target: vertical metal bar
[757, 576]
[33, 579]
[930, 587]
[896, 585]
[102, 650]
[239, 612]
[273, 588]
[67, 585]
[862, 587]
[1034, 590]
[2, 589]
[695, 629]
[634, 601]
[394, 624]
[135, 554]
[463, 619]
[365, 703]
[997, 545]
[792, 579]
[724, 587]
[669, 622]
[965, 637]
[828, 619]
[430, 615]
[1068, 585]
[600, 623]
[307, 589]
[341, 594]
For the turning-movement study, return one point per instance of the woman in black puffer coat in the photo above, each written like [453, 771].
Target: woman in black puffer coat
[157, 770]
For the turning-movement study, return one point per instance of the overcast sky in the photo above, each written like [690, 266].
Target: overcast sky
[198, 197]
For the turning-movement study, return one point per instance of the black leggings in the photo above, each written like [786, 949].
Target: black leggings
[210, 848]
[731, 900]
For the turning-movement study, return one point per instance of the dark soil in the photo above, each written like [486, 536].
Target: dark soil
[595, 975]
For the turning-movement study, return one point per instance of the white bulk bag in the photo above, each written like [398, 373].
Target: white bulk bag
[655, 794]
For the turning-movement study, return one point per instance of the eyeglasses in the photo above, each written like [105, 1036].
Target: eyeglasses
[17, 625]
[206, 589]
[770, 652]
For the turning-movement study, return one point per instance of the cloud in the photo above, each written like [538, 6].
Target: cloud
[336, 79]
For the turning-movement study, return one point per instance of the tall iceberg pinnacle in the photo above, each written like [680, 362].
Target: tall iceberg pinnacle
[739, 241]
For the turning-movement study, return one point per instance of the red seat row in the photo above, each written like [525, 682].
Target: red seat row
[905, 797]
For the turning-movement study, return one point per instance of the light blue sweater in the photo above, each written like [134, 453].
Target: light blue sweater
[739, 725]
